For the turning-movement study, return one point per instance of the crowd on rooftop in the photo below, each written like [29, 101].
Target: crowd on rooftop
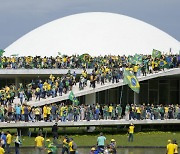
[84, 61]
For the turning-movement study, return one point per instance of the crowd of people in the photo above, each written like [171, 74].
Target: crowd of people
[46, 145]
[105, 69]
[68, 145]
[82, 61]
[68, 112]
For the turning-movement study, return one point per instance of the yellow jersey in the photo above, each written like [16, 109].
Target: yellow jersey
[2, 150]
[175, 148]
[9, 138]
[37, 111]
[170, 148]
[166, 109]
[110, 108]
[39, 141]
[70, 146]
[48, 110]
[131, 129]
[138, 110]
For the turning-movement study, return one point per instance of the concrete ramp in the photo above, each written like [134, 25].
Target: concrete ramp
[89, 90]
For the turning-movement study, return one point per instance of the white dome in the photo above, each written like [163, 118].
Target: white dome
[96, 33]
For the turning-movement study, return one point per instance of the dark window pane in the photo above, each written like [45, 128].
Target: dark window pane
[153, 84]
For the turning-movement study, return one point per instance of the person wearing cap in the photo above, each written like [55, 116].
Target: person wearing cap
[113, 146]
[50, 147]
[170, 147]
[113, 142]
[93, 149]
[131, 132]
[175, 147]
[39, 144]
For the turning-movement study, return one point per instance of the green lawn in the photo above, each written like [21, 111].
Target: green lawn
[140, 139]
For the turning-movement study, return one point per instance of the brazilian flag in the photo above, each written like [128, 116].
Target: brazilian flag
[156, 53]
[73, 98]
[75, 102]
[131, 60]
[138, 59]
[131, 80]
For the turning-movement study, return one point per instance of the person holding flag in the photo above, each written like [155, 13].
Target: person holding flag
[50, 147]
[156, 53]
[73, 99]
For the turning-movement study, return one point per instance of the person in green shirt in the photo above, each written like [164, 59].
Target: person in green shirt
[127, 112]
[1, 113]
[105, 112]
[119, 111]
[161, 110]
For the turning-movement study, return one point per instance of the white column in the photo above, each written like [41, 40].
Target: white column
[90, 99]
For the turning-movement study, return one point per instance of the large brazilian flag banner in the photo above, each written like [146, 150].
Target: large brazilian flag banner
[156, 53]
[131, 80]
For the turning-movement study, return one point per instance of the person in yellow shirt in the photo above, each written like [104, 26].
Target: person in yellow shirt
[175, 147]
[110, 111]
[166, 112]
[8, 140]
[170, 147]
[71, 147]
[39, 144]
[2, 151]
[138, 111]
[45, 113]
[135, 70]
[131, 132]
[37, 114]
[65, 146]
[48, 112]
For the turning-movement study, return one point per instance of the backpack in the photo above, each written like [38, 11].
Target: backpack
[74, 146]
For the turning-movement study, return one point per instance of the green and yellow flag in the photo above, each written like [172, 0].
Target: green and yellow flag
[73, 98]
[137, 59]
[156, 53]
[131, 80]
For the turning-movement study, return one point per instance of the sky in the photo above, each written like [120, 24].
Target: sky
[18, 17]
